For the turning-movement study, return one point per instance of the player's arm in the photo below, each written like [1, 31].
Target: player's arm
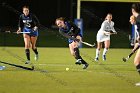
[113, 31]
[68, 36]
[36, 22]
[74, 30]
[20, 25]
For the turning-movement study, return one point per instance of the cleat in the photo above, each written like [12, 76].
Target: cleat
[78, 62]
[27, 62]
[104, 57]
[36, 57]
[85, 66]
[32, 68]
[96, 59]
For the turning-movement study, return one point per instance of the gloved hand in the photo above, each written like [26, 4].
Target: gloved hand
[35, 28]
[78, 40]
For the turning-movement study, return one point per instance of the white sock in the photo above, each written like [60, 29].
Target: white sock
[97, 53]
[105, 51]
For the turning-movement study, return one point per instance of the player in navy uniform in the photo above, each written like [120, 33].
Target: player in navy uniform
[29, 23]
[69, 30]
[136, 13]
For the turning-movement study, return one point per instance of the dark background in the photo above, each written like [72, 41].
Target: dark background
[93, 13]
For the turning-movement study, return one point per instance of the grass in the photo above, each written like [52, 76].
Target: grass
[50, 76]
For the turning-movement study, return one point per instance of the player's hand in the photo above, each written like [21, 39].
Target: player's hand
[78, 40]
[18, 31]
[106, 33]
[75, 39]
[113, 33]
[35, 28]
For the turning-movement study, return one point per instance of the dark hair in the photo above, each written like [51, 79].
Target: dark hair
[136, 7]
[107, 15]
[25, 7]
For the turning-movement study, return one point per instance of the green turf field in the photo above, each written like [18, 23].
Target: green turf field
[50, 76]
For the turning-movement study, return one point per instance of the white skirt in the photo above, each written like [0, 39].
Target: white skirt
[101, 37]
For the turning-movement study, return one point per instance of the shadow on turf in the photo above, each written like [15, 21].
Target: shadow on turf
[19, 66]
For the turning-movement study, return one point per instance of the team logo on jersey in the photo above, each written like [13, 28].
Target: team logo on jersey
[27, 23]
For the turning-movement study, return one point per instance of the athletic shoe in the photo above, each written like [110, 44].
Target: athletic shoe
[33, 67]
[36, 57]
[96, 59]
[104, 57]
[27, 62]
[78, 61]
[85, 65]
[2, 67]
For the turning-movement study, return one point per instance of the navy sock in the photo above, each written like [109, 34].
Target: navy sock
[35, 51]
[77, 55]
[27, 51]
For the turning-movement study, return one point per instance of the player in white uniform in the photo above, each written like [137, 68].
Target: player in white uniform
[103, 36]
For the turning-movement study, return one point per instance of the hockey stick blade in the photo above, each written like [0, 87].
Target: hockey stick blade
[124, 59]
[88, 44]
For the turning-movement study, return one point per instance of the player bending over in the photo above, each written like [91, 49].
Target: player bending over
[69, 30]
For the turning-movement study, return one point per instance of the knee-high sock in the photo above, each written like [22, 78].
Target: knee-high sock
[97, 53]
[27, 51]
[77, 55]
[105, 51]
[35, 51]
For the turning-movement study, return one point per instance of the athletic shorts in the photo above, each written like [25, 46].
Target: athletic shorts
[101, 37]
[32, 32]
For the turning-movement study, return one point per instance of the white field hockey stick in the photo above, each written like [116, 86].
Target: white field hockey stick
[88, 44]
[18, 32]
[22, 32]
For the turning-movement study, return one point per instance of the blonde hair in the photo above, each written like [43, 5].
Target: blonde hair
[132, 17]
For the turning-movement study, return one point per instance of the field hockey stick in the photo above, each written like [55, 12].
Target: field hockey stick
[22, 32]
[113, 33]
[125, 59]
[18, 32]
[88, 44]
